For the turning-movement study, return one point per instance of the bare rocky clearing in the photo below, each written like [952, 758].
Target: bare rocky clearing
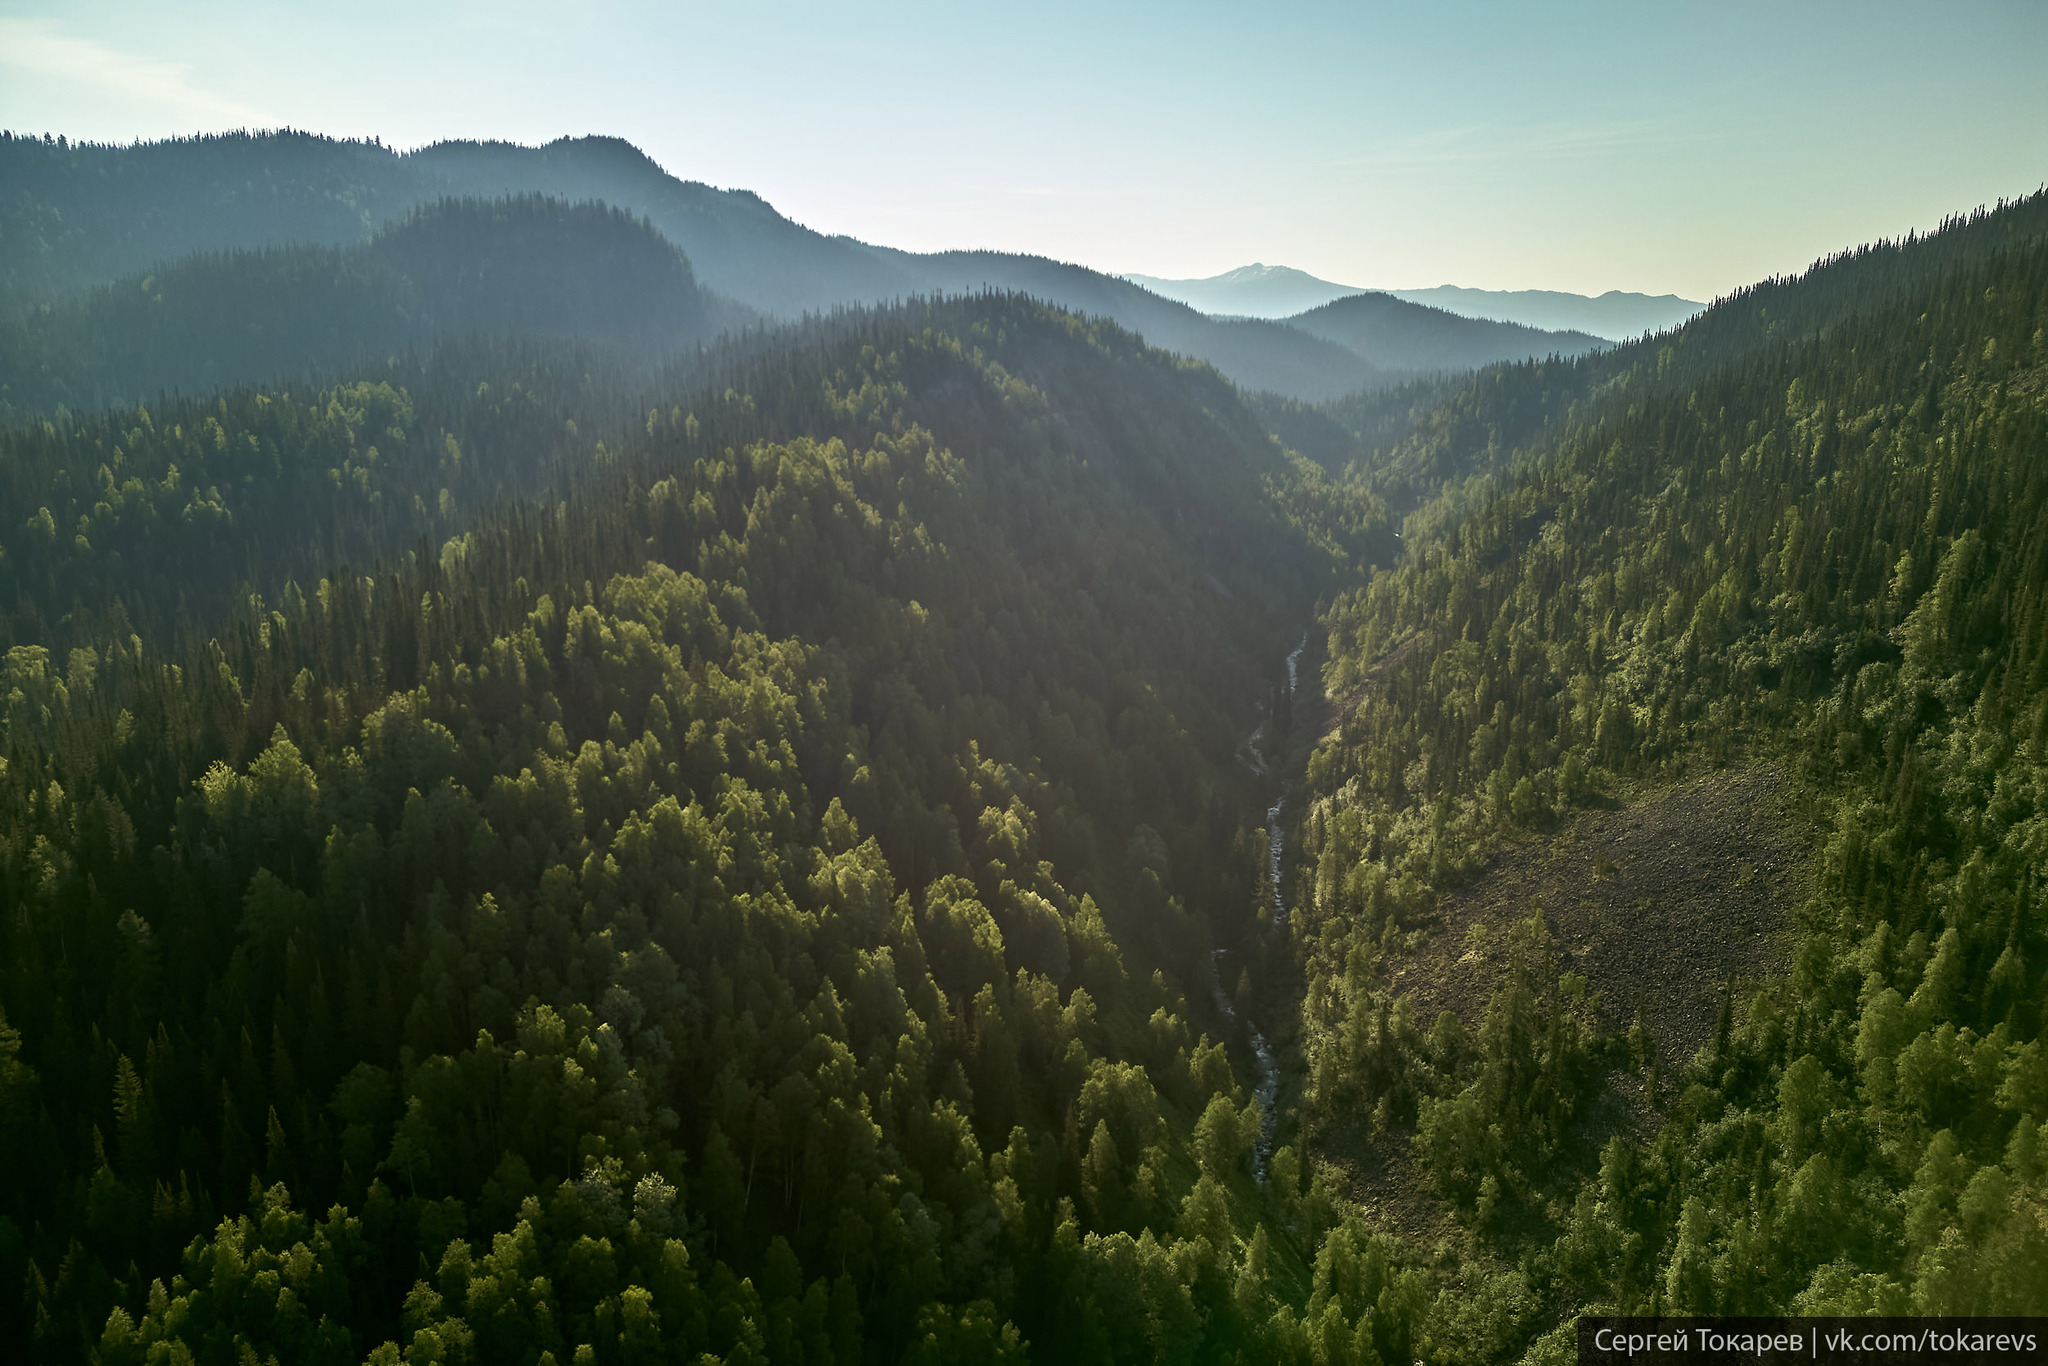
[1659, 904]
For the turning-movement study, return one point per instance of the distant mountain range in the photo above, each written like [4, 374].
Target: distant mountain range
[1262, 291]
[1615, 315]
[83, 216]
[1253, 291]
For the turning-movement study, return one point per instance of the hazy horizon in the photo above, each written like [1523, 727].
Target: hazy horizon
[1583, 151]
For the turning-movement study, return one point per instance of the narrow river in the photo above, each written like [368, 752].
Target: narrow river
[1267, 1089]
[1276, 836]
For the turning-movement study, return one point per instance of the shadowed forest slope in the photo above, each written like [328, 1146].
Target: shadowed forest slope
[537, 268]
[753, 902]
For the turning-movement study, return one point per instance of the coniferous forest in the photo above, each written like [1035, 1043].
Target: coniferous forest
[553, 813]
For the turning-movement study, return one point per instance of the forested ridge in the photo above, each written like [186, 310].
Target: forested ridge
[527, 840]
[756, 904]
[1417, 440]
[531, 267]
[1398, 335]
[77, 216]
[156, 520]
[1827, 551]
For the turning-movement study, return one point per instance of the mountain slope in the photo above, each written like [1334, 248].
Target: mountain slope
[1379, 327]
[1804, 533]
[1261, 291]
[1253, 291]
[753, 899]
[1615, 316]
[741, 247]
[82, 215]
[1254, 354]
[1421, 438]
[533, 267]
[78, 216]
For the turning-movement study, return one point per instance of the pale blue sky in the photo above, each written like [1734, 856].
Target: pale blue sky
[1663, 148]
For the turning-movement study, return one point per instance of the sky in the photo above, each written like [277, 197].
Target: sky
[1653, 147]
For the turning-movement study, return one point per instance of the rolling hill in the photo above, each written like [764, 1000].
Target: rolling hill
[532, 267]
[830, 774]
[1378, 327]
[83, 215]
[1615, 315]
[1253, 291]
[1262, 291]
[78, 216]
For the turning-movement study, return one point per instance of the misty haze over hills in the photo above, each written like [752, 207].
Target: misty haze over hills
[1615, 315]
[528, 266]
[1262, 291]
[1253, 291]
[1380, 327]
[84, 216]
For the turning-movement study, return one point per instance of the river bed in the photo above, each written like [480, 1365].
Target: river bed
[1266, 1091]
